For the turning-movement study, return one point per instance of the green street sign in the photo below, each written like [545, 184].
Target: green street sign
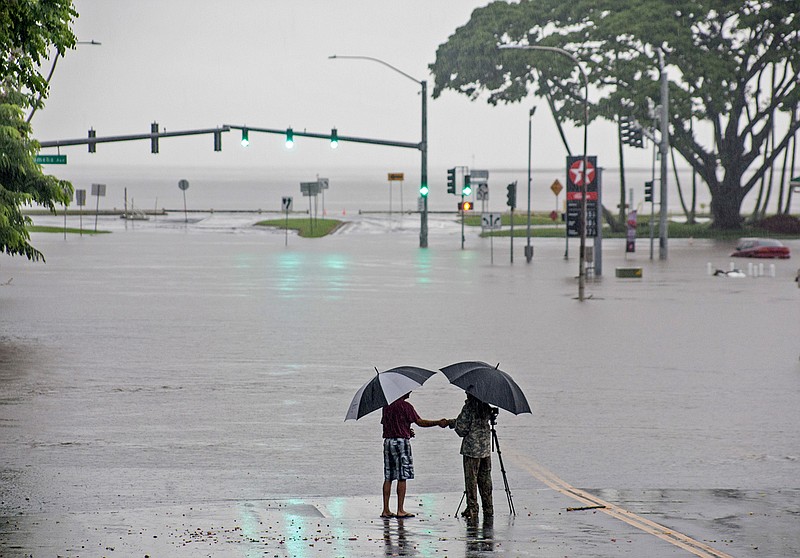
[51, 159]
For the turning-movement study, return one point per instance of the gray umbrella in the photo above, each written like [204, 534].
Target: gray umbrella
[386, 387]
[489, 384]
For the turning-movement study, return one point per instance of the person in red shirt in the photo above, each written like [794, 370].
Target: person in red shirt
[398, 463]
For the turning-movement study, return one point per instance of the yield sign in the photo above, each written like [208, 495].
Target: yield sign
[576, 172]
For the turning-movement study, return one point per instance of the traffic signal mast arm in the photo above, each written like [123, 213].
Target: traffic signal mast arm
[224, 128]
[132, 137]
[329, 137]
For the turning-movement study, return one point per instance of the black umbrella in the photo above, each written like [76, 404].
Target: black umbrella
[489, 384]
[386, 387]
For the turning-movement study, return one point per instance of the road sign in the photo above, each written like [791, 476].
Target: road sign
[80, 197]
[575, 189]
[309, 188]
[98, 190]
[491, 221]
[183, 184]
[482, 193]
[556, 187]
[479, 176]
[323, 183]
[50, 159]
[396, 177]
[286, 203]
[575, 173]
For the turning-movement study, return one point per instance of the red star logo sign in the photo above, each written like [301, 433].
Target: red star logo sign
[576, 172]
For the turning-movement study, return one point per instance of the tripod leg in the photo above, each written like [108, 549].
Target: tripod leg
[460, 502]
[503, 470]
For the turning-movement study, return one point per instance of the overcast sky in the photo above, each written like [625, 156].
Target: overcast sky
[190, 64]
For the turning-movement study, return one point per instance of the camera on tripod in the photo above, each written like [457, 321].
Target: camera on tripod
[493, 412]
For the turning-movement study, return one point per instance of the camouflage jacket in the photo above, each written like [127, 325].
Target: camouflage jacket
[475, 431]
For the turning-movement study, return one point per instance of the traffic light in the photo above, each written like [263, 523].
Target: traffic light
[334, 138]
[423, 190]
[451, 181]
[289, 138]
[217, 141]
[631, 132]
[512, 195]
[465, 206]
[648, 191]
[467, 189]
[245, 137]
[154, 140]
[92, 145]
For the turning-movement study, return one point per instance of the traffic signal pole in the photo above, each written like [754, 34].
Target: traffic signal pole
[664, 149]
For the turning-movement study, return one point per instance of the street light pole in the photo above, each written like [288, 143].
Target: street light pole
[584, 173]
[423, 146]
[528, 247]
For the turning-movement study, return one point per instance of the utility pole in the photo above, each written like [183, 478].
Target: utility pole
[664, 151]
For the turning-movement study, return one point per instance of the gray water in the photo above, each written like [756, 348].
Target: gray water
[170, 363]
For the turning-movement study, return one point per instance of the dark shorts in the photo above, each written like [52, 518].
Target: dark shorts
[398, 464]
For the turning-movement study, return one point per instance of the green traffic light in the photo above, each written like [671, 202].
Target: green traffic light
[289, 138]
[423, 190]
[245, 137]
[334, 138]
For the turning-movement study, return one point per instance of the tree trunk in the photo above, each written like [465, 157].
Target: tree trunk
[726, 209]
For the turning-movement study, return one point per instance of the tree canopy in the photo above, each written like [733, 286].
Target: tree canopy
[28, 29]
[731, 64]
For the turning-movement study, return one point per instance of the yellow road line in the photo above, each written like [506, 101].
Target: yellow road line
[651, 527]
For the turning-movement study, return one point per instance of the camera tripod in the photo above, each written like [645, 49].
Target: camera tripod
[495, 447]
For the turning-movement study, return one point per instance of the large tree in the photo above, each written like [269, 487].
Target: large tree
[28, 31]
[733, 65]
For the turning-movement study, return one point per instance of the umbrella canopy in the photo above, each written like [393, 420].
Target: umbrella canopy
[386, 387]
[489, 384]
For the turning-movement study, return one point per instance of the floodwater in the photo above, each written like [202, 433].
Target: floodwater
[170, 363]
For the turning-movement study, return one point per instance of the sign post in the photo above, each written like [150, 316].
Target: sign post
[310, 189]
[80, 199]
[98, 190]
[286, 203]
[395, 177]
[183, 184]
[491, 221]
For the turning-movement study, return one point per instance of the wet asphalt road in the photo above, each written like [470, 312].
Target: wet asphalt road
[164, 379]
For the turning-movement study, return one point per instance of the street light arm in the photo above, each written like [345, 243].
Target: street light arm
[59, 54]
[379, 61]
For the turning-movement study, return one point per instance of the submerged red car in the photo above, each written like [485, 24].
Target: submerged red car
[761, 248]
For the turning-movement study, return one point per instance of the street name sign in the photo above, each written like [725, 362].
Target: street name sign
[51, 159]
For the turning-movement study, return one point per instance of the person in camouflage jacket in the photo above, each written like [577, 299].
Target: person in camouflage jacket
[473, 426]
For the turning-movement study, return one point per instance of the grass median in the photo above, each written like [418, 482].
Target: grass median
[544, 227]
[307, 228]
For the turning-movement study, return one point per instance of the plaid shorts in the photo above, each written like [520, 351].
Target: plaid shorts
[398, 464]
